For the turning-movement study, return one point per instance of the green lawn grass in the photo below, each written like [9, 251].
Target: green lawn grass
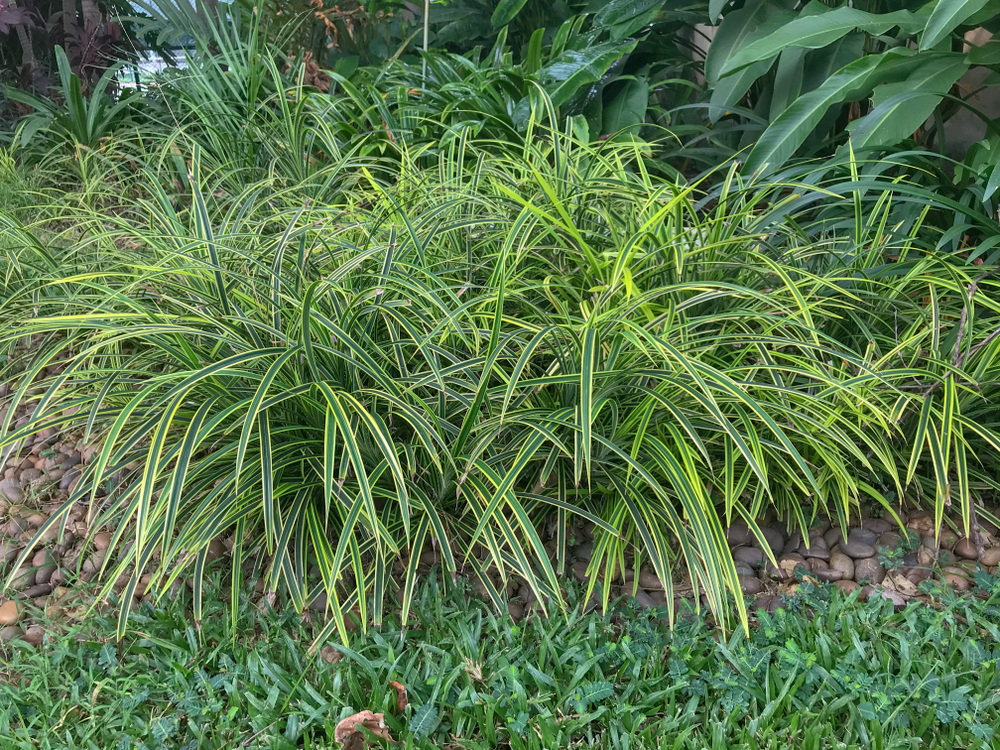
[825, 672]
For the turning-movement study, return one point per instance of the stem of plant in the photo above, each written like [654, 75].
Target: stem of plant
[427, 31]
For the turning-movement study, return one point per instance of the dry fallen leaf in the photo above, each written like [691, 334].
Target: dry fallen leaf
[925, 558]
[330, 654]
[923, 526]
[903, 585]
[400, 696]
[352, 738]
[788, 565]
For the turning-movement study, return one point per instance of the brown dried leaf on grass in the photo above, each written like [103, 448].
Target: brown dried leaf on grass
[400, 696]
[330, 655]
[351, 737]
[902, 584]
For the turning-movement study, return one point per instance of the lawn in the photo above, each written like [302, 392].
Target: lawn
[822, 671]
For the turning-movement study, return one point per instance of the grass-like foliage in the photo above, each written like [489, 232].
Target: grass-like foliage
[471, 346]
[823, 672]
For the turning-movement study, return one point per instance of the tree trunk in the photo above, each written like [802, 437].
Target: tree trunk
[68, 17]
[29, 66]
[212, 8]
[91, 15]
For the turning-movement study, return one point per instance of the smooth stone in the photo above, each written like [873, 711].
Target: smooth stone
[870, 569]
[834, 537]
[71, 476]
[742, 569]
[752, 556]
[926, 555]
[843, 563]
[817, 548]
[819, 529]
[876, 525]
[856, 549]
[787, 565]
[659, 597]
[623, 576]
[14, 527]
[10, 613]
[648, 580]
[956, 578]
[30, 475]
[829, 575]
[816, 565]
[584, 551]
[846, 587]
[775, 572]
[44, 573]
[8, 552]
[775, 604]
[51, 533]
[793, 543]
[579, 570]
[516, 611]
[33, 592]
[35, 635]
[890, 540]
[751, 584]
[948, 539]
[965, 548]
[11, 490]
[865, 536]
[991, 557]
[774, 537]
[644, 599]
[42, 557]
[24, 577]
[10, 632]
[102, 540]
[738, 534]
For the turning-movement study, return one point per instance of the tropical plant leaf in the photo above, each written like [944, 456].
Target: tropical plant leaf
[739, 28]
[573, 69]
[813, 30]
[901, 108]
[947, 16]
[627, 106]
[622, 18]
[789, 131]
[505, 12]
